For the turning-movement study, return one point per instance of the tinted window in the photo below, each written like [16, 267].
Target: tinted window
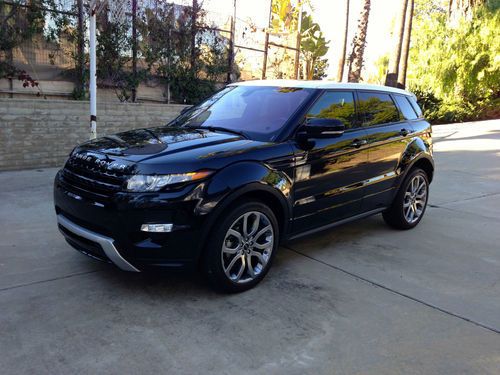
[335, 105]
[405, 107]
[258, 111]
[415, 106]
[377, 108]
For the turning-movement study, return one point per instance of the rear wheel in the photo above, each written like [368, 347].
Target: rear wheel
[410, 203]
[242, 246]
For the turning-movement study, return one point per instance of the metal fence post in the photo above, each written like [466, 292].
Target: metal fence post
[266, 48]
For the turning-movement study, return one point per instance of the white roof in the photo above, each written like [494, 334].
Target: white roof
[320, 85]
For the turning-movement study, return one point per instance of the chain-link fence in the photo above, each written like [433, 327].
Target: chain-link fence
[176, 51]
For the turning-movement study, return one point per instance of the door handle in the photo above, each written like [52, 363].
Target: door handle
[357, 143]
[404, 132]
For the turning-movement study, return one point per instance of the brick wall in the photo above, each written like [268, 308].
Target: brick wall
[41, 133]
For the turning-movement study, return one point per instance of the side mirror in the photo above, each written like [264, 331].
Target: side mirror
[324, 127]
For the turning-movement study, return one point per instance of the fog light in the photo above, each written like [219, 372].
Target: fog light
[157, 228]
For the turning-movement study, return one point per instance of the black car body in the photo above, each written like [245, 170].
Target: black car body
[342, 152]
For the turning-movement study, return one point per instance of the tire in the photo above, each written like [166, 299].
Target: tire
[411, 197]
[228, 245]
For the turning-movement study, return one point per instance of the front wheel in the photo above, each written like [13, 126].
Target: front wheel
[242, 246]
[411, 201]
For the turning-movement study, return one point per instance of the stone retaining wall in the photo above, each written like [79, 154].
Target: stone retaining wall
[41, 133]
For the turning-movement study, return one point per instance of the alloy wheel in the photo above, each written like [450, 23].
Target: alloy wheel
[415, 199]
[247, 247]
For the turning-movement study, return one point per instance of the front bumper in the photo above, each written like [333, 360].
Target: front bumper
[72, 231]
[109, 230]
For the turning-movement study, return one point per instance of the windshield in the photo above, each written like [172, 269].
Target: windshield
[255, 111]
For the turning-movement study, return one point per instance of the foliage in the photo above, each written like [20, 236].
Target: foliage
[284, 16]
[17, 24]
[112, 61]
[175, 48]
[455, 68]
[313, 47]
[284, 21]
[381, 65]
[189, 58]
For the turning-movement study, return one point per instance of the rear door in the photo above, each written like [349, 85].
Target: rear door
[388, 136]
[329, 173]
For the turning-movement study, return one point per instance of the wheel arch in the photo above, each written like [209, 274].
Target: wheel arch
[417, 154]
[426, 165]
[260, 183]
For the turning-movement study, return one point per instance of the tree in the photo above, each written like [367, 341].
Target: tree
[358, 44]
[17, 24]
[403, 63]
[340, 70]
[181, 51]
[313, 47]
[456, 65]
[392, 74]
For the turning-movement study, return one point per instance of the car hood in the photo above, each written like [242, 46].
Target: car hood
[171, 150]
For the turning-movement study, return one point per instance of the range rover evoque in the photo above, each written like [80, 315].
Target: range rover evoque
[258, 163]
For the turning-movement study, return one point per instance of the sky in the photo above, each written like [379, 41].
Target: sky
[329, 14]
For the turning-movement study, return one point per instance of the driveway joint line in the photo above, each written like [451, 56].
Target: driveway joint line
[463, 212]
[470, 198]
[47, 280]
[401, 294]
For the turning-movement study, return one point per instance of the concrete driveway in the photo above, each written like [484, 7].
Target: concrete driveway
[359, 299]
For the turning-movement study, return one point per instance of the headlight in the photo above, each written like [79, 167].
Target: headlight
[144, 183]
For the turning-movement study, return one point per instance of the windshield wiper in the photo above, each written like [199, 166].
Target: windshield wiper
[218, 128]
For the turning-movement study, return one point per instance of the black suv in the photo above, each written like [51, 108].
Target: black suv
[258, 163]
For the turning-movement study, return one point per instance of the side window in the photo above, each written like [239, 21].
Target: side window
[405, 107]
[335, 105]
[415, 106]
[377, 108]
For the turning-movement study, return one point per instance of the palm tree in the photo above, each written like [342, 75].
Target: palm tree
[340, 71]
[358, 44]
[403, 63]
[392, 74]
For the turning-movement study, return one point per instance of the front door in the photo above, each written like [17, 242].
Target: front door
[329, 172]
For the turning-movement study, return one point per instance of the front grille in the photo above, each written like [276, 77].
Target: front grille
[91, 181]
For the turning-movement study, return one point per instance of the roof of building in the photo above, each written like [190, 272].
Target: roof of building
[320, 85]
